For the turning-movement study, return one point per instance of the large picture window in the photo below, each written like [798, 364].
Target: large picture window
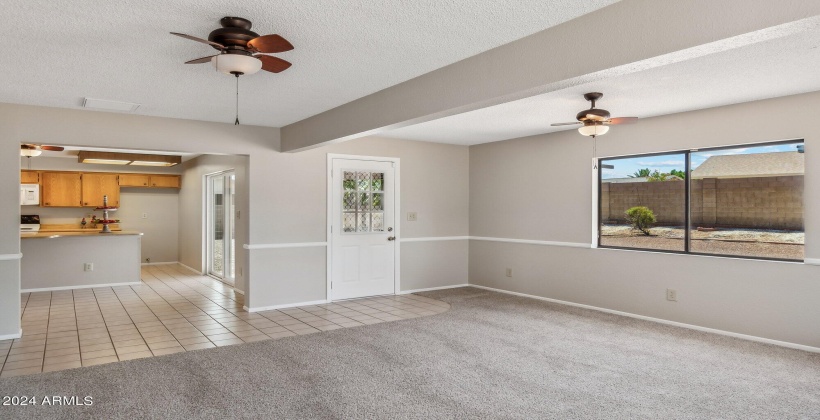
[744, 201]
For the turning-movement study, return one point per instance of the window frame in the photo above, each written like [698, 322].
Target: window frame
[687, 200]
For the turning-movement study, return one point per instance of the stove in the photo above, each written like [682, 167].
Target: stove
[29, 223]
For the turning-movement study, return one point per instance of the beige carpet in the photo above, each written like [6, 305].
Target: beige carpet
[490, 356]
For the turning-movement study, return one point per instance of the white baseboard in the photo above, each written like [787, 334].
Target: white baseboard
[191, 269]
[11, 336]
[287, 305]
[162, 263]
[430, 289]
[239, 291]
[661, 321]
[85, 286]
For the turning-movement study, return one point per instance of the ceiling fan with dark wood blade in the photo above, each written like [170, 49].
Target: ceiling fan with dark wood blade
[30, 150]
[596, 121]
[242, 51]
[235, 38]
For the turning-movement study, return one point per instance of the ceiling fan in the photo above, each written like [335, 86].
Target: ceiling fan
[242, 51]
[29, 150]
[596, 121]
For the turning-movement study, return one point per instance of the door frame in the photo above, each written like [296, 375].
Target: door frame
[207, 250]
[396, 209]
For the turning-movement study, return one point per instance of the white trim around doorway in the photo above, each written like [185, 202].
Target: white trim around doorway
[396, 205]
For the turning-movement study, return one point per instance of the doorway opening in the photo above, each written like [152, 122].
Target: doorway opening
[220, 244]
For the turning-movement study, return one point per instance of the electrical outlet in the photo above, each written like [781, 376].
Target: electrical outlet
[88, 267]
[672, 295]
[412, 216]
[145, 215]
[148, 261]
[509, 272]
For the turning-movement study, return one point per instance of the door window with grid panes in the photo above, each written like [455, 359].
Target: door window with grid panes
[362, 202]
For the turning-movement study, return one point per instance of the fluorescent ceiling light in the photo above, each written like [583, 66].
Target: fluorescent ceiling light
[136, 159]
[107, 161]
[149, 163]
[110, 105]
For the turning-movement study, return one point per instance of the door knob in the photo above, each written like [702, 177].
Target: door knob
[391, 238]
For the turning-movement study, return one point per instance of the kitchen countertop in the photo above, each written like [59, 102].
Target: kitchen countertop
[95, 233]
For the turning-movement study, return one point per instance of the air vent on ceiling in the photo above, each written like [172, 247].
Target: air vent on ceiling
[110, 105]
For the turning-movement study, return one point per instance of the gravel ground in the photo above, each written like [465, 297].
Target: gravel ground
[742, 242]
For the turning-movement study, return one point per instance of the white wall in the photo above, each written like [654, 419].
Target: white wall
[540, 188]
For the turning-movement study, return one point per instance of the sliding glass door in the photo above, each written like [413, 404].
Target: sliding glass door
[220, 224]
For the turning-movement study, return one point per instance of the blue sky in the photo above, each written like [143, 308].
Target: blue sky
[665, 163]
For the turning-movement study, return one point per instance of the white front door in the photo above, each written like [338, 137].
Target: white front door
[362, 227]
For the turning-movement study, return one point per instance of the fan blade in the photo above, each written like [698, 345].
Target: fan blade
[273, 64]
[53, 148]
[622, 120]
[201, 60]
[567, 123]
[204, 41]
[270, 44]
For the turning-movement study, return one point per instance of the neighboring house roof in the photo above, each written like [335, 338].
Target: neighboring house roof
[751, 165]
[638, 179]
[625, 180]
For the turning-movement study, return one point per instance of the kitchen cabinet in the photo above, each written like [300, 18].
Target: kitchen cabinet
[165, 181]
[61, 189]
[134, 180]
[96, 185]
[149, 180]
[29, 177]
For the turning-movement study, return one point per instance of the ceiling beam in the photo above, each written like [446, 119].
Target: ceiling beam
[626, 37]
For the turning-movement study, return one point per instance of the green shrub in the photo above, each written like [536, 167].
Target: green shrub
[641, 218]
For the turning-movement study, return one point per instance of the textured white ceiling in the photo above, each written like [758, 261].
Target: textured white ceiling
[779, 67]
[57, 52]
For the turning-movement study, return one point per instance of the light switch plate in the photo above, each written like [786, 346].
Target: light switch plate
[412, 216]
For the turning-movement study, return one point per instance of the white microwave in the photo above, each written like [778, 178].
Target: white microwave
[29, 194]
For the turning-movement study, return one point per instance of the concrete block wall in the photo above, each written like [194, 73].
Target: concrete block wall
[754, 202]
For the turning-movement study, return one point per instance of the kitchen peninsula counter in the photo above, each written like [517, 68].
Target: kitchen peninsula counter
[87, 233]
[55, 260]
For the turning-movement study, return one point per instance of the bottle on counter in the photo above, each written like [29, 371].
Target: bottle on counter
[83, 223]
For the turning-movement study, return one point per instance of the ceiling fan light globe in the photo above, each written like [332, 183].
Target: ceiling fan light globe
[30, 152]
[236, 63]
[593, 130]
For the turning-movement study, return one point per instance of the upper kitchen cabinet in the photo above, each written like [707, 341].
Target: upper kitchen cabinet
[29, 177]
[97, 185]
[61, 189]
[165, 181]
[134, 180]
[149, 180]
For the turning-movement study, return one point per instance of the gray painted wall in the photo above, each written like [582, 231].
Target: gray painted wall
[434, 179]
[191, 216]
[540, 188]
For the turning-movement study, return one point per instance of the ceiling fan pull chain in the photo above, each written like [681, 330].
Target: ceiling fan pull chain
[594, 152]
[237, 100]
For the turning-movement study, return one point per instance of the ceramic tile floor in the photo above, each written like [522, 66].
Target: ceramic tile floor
[171, 311]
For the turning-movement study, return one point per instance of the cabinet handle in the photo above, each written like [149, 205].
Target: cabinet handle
[48, 204]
